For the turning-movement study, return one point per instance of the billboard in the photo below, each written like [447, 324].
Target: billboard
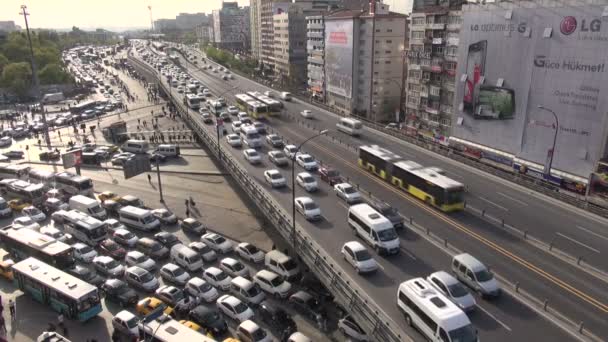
[339, 56]
[512, 62]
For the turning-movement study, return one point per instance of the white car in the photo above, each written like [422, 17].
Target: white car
[232, 110]
[34, 213]
[172, 273]
[217, 278]
[308, 208]
[272, 283]
[278, 158]
[269, 94]
[348, 193]
[83, 252]
[250, 252]
[307, 162]
[234, 308]
[206, 92]
[234, 140]
[358, 256]
[125, 237]
[25, 222]
[205, 251]
[252, 156]
[274, 178]
[307, 181]
[234, 268]
[236, 126]
[290, 150]
[306, 114]
[54, 233]
[352, 330]
[113, 225]
[137, 258]
[242, 115]
[108, 266]
[450, 287]
[217, 242]
[202, 290]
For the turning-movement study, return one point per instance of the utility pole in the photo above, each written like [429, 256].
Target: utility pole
[35, 78]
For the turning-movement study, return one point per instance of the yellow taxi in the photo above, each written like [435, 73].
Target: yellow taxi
[6, 265]
[107, 195]
[148, 304]
[231, 339]
[18, 204]
[193, 326]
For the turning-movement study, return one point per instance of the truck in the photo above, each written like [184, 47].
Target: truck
[116, 132]
[53, 98]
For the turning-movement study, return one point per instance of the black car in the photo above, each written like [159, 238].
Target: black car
[167, 239]
[276, 318]
[307, 305]
[119, 291]
[208, 319]
[48, 155]
[14, 154]
[85, 274]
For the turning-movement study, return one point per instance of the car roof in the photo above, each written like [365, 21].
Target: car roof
[303, 295]
[124, 315]
[170, 266]
[137, 270]
[470, 261]
[355, 246]
[113, 282]
[232, 300]
[266, 274]
[213, 270]
[273, 171]
[196, 281]
[190, 220]
[135, 253]
[249, 325]
[229, 261]
[304, 174]
[444, 277]
[304, 199]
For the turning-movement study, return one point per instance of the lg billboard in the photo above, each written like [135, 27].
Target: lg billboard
[339, 56]
[511, 63]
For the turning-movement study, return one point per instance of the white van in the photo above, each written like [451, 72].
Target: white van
[168, 150]
[251, 137]
[186, 258]
[246, 290]
[350, 126]
[282, 265]
[136, 146]
[138, 218]
[375, 229]
[89, 206]
[435, 316]
[286, 96]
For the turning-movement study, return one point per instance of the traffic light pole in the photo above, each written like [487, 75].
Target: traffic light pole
[160, 185]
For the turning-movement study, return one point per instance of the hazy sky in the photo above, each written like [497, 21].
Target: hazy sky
[114, 13]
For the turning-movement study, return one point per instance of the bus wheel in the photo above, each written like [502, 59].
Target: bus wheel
[408, 319]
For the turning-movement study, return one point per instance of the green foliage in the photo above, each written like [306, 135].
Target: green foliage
[3, 61]
[225, 58]
[53, 74]
[17, 77]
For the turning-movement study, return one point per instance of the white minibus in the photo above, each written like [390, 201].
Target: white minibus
[138, 218]
[136, 146]
[350, 126]
[375, 229]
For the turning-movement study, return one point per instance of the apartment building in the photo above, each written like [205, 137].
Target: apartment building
[315, 49]
[363, 61]
[255, 22]
[188, 21]
[231, 27]
[290, 44]
[432, 57]
[268, 9]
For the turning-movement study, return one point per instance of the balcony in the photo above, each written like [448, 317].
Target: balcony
[315, 59]
[453, 27]
[436, 68]
[450, 58]
[413, 66]
[453, 41]
[314, 26]
[431, 110]
[413, 80]
[438, 41]
[435, 26]
[314, 34]
[412, 105]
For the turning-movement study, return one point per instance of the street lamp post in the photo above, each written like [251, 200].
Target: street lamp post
[293, 187]
[551, 152]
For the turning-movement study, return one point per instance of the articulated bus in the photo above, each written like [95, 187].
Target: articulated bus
[423, 183]
[74, 184]
[24, 243]
[274, 106]
[192, 101]
[64, 293]
[254, 108]
[47, 178]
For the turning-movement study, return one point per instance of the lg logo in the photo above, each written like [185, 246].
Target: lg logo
[568, 25]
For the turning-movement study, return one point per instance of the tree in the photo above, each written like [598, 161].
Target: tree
[3, 61]
[16, 48]
[53, 74]
[46, 55]
[17, 77]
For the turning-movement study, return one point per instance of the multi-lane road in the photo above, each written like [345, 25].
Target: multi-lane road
[577, 294]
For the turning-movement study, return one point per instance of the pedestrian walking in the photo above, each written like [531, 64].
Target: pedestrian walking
[12, 308]
[149, 178]
[2, 325]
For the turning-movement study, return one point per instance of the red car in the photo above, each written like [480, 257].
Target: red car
[329, 175]
[113, 249]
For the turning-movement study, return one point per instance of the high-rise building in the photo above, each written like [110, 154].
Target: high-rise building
[289, 30]
[268, 9]
[231, 27]
[255, 22]
[8, 26]
[315, 42]
[363, 61]
[432, 56]
[164, 25]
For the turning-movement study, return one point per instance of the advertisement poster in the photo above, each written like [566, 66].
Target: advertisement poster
[339, 56]
[510, 65]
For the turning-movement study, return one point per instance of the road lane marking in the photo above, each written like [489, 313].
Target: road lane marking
[380, 266]
[408, 253]
[493, 317]
[492, 203]
[455, 174]
[592, 232]
[578, 242]
[513, 199]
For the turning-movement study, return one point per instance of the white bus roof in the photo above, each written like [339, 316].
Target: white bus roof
[35, 239]
[434, 304]
[369, 214]
[431, 175]
[135, 210]
[169, 330]
[408, 165]
[380, 152]
[68, 285]
[42, 173]
[351, 120]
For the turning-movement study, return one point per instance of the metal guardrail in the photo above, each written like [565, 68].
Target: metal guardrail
[346, 292]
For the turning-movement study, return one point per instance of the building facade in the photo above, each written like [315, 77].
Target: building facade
[364, 58]
[268, 9]
[255, 22]
[8, 26]
[188, 21]
[204, 33]
[231, 27]
[164, 25]
[315, 50]
[432, 56]
[290, 45]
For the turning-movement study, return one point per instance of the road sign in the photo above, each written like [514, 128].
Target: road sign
[71, 159]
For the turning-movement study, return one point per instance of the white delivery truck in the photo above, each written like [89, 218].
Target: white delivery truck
[89, 206]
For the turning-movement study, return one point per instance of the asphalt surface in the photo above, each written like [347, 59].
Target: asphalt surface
[504, 319]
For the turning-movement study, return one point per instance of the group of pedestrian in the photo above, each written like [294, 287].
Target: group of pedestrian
[12, 307]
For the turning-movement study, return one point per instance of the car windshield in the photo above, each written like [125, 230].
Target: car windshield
[128, 235]
[238, 266]
[96, 209]
[219, 240]
[132, 323]
[156, 247]
[251, 249]
[34, 211]
[240, 307]
[308, 180]
[457, 290]
[166, 214]
[178, 272]
[289, 265]
[307, 159]
[388, 211]
[362, 255]
[483, 276]
[211, 317]
[276, 176]
[258, 335]
[332, 173]
[310, 206]
[205, 287]
[112, 264]
[253, 291]
[148, 219]
[252, 153]
[112, 246]
[276, 281]
[349, 190]
[463, 334]
[221, 276]
[279, 155]
[85, 250]
[387, 234]
[122, 288]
